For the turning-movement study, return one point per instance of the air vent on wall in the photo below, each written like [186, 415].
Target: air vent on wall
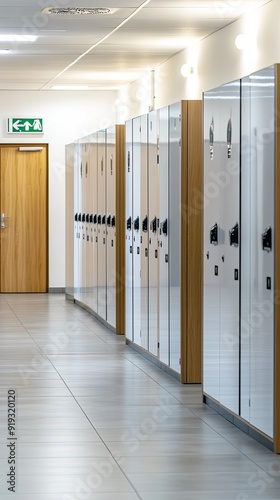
[76, 11]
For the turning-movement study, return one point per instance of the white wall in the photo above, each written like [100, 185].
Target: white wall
[216, 60]
[67, 116]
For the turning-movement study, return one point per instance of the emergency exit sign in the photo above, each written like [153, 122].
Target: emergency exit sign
[25, 126]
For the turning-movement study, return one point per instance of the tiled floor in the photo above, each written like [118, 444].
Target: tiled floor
[96, 421]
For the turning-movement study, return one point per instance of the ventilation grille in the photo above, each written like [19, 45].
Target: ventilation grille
[76, 11]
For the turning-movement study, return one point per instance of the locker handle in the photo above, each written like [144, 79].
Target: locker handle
[145, 224]
[154, 224]
[76, 217]
[234, 236]
[214, 234]
[87, 218]
[99, 219]
[136, 224]
[91, 218]
[229, 138]
[113, 221]
[104, 219]
[211, 139]
[95, 219]
[83, 217]
[80, 217]
[109, 220]
[129, 223]
[164, 227]
[267, 239]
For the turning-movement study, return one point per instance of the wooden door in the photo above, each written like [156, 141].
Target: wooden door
[24, 203]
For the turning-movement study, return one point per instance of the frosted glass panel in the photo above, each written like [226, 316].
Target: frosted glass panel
[136, 169]
[212, 236]
[257, 311]
[164, 340]
[128, 247]
[175, 235]
[153, 232]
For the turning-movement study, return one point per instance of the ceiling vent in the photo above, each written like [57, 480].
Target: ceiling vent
[75, 11]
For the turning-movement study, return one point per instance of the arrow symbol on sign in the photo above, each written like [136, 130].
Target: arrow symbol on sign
[26, 125]
[16, 125]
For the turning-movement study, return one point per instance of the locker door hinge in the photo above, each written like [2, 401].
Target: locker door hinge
[249, 403]
[158, 345]
[180, 361]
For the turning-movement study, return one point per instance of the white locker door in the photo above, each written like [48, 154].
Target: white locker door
[144, 227]
[153, 232]
[175, 235]
[80, 222]
[136, 200]
[76, 218]
[88, 261]
[111, 226]
[212, 237]
[101, 294]
[128, 248]
[94, 214]
[164, 339]
[227, 180]
[257, 255]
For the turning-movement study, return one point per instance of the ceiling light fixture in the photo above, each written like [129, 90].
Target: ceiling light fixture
[18, 38]
[76, 11]
[4, 51]
[187, 70]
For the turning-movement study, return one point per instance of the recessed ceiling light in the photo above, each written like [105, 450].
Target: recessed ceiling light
[18, 38]
[70, 87]
[76, 11]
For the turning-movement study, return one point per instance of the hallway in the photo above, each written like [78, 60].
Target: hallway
[96, 421]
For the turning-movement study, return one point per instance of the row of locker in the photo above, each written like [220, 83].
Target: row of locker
[95, 260]
[161, 159]
[241, 366]
[133, 250]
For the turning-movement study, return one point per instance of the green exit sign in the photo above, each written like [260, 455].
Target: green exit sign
[25, 126]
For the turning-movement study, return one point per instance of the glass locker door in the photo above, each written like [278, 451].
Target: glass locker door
[212, 239]
[111, 226]
[144, 228]
[164, 340]
[136, 230]
[227, 180]
[175, 235]
[257, 256]
[101, 300]
[153, 232]
[128, 248]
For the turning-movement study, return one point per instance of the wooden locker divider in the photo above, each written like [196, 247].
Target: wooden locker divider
[277, 270]
[120, 229]
[191, 243]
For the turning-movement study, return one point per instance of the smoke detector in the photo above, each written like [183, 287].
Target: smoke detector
[76, 11]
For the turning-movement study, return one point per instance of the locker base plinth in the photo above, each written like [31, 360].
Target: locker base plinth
[70, 297]
[153, 359]
[93, 313]
[239, 422]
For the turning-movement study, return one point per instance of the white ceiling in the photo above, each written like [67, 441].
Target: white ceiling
[105, 50]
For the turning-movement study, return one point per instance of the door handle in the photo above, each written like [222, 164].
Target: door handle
[3, 219]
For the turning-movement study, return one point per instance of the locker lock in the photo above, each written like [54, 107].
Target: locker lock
[214, 234]
[267, 239]
[233, 236]
[145, 224]
[129, 223]
[136, 224]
